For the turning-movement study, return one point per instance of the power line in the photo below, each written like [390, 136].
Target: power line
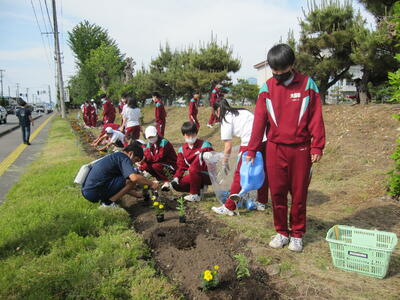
[48, 15]
[41, 36]
[45, 26]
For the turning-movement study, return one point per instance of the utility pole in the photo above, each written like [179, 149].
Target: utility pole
[58, 61]
[49, 95]
[17, 90]
[1, 79]
[27, 95]
[9, 92]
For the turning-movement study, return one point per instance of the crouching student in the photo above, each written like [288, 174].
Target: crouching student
[115, 137]
[190, 158]
[114, 176]
[237, 122]
[103, 134]
[159, 158]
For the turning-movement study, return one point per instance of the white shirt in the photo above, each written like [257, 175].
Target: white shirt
[238, 126]
[117, 135]
[132, 116]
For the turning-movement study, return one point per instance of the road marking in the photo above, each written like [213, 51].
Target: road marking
[12, 157]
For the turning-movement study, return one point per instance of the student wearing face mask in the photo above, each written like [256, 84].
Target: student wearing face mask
[290, 105]
[193, 109]
[114, 176]
[236, 122]
[190, 159]
[108, 109]
[159, 158]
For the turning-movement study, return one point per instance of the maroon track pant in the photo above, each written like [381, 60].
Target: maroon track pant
[160, 126]
[289, 170]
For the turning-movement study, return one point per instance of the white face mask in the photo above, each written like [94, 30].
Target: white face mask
[191, 140]
[153, 140]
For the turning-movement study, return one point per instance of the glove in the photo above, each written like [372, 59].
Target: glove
[146, 174]
[207, 155]
[225, 167]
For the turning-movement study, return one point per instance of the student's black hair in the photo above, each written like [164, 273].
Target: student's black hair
[125, 95]
[225, 108]
[132, 103]
[189, 128]
[136, 148]
[103, 96]
[156, 94]
[280, 57]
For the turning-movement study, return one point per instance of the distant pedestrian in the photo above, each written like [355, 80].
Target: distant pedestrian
[108, 109]
[160, 114]
[24, 115]
[215, 95]
[193, 109]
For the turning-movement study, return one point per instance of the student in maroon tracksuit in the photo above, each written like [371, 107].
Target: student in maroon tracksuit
[160, 114]
[85, 113]
[193, 109]
[89, 113]
[190, 158]
[108, 110]
[215, 95]
[159, 158]
[290, 103]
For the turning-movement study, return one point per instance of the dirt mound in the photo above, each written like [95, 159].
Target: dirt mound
[183, 237]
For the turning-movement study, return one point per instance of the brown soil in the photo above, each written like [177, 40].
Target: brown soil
[182, 251]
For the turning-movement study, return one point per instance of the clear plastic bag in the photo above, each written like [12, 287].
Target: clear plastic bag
[221, 178]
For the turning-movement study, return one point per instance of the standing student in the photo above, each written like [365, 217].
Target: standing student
[83, 110]
[24, 115]
[159, 158]
[87, 112]
[131, 119]
[214, 96]
[115, 137]
[190, 159]
[108, 109]
[237, 122]
[114, 176]
[160, 114]
[91, 109]
[289, 103]
[94, 120]
[193, 109]
[122, 103]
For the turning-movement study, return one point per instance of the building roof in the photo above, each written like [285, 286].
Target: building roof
[261, 65]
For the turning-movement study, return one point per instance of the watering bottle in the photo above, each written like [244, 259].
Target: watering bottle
[251, 174]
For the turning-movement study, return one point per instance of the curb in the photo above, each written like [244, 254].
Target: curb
[16, 127]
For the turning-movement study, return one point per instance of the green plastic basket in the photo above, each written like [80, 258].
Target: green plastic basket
[360, 250]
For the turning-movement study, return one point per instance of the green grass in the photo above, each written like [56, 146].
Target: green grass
[56, 245]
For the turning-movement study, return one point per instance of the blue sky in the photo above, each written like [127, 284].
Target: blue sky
[250, 26]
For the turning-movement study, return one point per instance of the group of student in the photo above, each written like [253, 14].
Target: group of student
[287, 128]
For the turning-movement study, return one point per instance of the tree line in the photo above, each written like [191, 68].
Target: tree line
[333, 38]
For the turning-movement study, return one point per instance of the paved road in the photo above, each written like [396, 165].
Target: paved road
[9, 143]
[12, 121]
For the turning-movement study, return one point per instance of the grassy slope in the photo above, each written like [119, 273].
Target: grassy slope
[346, 188]
[56, 245]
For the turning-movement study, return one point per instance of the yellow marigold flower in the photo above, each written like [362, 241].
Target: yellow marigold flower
[153, 198]
[161, 206]
[208, 276]
[145, 186]
[216, 267]
[156, 203]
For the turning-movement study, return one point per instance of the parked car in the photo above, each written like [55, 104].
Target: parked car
[40, 108]
[10, 109]
[3, 115]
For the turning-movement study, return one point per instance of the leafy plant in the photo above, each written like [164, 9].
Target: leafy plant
[242, 268]
[181, 206]
[394, 180]
[159, 207]
[210, 278]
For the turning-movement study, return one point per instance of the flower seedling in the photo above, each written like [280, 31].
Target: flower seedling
[242, 268]
[182, 210]
[210, 278]
[159, 207]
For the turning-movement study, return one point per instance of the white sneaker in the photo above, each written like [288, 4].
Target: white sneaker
[222, 210]
[112, 205]
[296, 244]
[259, 206]
[279, 241]
[192, 198]
[166, 187]
[209, 126]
